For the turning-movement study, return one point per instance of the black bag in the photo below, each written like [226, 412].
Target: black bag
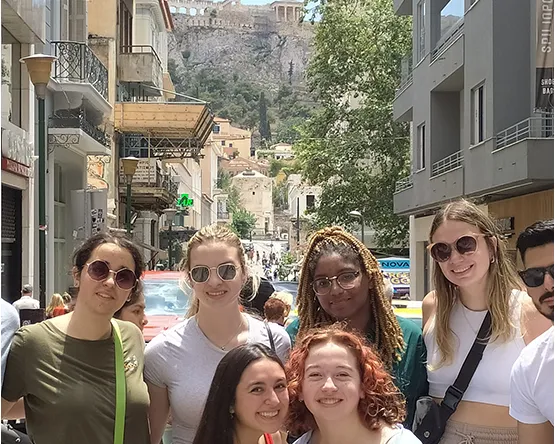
[12, 436]
[431, 427]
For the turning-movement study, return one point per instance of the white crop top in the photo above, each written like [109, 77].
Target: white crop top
[491, 382]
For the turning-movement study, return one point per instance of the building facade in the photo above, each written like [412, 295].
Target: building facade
[480, 128]
[256, 191]
[234, 142]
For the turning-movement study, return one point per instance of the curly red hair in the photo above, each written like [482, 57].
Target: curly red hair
[382, 402]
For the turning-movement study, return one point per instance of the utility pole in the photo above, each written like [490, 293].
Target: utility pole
[298, 223]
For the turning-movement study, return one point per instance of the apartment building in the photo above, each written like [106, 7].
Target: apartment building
[481, 127]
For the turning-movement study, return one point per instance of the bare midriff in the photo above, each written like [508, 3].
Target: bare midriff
[480, 414]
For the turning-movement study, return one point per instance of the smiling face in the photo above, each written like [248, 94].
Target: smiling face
[103, 297]
[331, 387]
[340, 303]
[539, 257]
[216, 292]
[261, 398]
[135, 313]
[466, 270]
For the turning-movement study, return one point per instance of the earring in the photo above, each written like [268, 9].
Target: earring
[493, 260]
[231, 411]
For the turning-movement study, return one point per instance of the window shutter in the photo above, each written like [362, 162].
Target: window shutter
[64, 21]
[78, 20]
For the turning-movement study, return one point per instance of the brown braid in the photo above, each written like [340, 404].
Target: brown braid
[388, 336]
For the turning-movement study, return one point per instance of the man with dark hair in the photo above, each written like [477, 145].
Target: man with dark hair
[532, 374]
[275, 311]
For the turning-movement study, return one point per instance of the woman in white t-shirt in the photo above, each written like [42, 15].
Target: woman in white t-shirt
[181, 362]
[340, 392]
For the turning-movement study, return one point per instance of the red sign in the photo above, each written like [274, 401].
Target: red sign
[16, 168]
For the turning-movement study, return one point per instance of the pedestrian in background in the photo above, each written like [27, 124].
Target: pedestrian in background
[275, 311]
[134, 309]
[248, 399]
[473, 275]
[342, 281]
[181, 362]
[340, 392]
[26, 301]
[56, 306]
[65, 367]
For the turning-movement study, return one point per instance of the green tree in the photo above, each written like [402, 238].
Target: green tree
[351, 146]
[264, 125]
[243, 223]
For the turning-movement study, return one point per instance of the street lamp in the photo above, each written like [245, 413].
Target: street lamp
[170, 215]
[129, 168]
[39, 67]
[359, 216]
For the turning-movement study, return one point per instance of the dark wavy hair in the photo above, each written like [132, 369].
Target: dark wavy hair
[217, 425]
[133, 298]
[383, 403]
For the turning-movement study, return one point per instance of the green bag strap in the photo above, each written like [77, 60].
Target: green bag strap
[120, 386]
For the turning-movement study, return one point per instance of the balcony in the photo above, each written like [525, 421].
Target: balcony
[223, 215]
[402, 7]
[141, 68]
[402, 104]
[448, 38]
[447, 61]
[162, 129]
[24, 20]
[72, 130]
[78, 73]
[447, 164]
[518, 160]
[403, 184]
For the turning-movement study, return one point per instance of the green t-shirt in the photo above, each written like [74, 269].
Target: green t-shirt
[409, 374]
[69, 385]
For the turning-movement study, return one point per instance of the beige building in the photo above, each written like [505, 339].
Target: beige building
[240, 164]
[256, 196]
[233, 141]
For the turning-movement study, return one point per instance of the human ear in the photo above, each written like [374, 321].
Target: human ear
[76, 276]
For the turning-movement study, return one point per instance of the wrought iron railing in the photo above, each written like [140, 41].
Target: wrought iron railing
[223, 215]
[404, 184]
[538, 127]
[447, 164]
[77, 119]
[77, 63]
[406, 73]
[168, 183]
[140, 49]
[448, 37]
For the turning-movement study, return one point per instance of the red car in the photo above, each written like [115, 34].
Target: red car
[166, 303]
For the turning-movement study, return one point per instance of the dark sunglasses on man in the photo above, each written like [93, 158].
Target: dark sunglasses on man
[534, 277]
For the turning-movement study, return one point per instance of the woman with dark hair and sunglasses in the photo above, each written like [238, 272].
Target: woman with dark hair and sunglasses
[181, 362]
[65, 367]
[473, 275]
[248, 399]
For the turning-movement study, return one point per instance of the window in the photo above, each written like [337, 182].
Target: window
[310, 201]
[421, 30]
[216, 129]
[231, 145]
[478, 115]
[420, 157]
[223, 142]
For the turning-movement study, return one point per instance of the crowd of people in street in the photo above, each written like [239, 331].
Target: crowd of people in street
[346, 370]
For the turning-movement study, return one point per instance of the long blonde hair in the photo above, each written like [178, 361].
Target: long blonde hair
[56, 301]
[216, 234]
[502, 279]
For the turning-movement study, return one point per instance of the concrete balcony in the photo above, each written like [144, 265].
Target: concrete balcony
[140, 66]
[79, 77]
[402, 104]
[24, 20]
[223, 216]
[447, 61]
[71, 130]
[402, 7]
[517, 161]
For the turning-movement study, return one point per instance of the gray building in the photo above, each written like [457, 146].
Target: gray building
[481, 128]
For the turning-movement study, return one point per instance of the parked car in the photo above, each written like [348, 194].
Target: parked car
[166, 303]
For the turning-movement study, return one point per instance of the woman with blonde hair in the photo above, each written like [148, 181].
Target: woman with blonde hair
[56, 306]
[181, 362]
[473, 275]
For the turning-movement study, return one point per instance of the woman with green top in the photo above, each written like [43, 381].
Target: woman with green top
[81, 374]
[342, 281]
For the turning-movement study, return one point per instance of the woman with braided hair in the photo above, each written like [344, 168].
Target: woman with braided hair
[341, 281]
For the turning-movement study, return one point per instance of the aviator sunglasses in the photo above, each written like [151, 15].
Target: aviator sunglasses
[99, 271]
[467, 244]
[201, 274]
[534, 277]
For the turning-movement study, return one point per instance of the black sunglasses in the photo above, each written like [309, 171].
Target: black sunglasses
[467, 244]
[534, 277]
[201, 274]
[99, 271]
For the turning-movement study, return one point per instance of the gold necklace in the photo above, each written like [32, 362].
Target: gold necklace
[234, 335]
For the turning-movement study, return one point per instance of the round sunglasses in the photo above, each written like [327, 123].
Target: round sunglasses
[534, 277]
[201, 273]
[346, 280]
[99, 271]
[467, 244]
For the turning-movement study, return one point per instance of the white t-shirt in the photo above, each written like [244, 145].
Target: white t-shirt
[25, 303]
[404, 436]
[184, 361]
[532, 382]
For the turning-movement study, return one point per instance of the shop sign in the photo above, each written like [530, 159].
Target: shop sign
[16, 168]
[398, 277]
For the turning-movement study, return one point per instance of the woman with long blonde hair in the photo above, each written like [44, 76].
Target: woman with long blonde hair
[473, 274]
[56, 306]
[181, 362]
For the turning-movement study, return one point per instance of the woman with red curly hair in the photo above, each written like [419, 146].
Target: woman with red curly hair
[340, 392]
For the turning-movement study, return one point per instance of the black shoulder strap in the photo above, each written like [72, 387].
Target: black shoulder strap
[270, 336]
[455, 392]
